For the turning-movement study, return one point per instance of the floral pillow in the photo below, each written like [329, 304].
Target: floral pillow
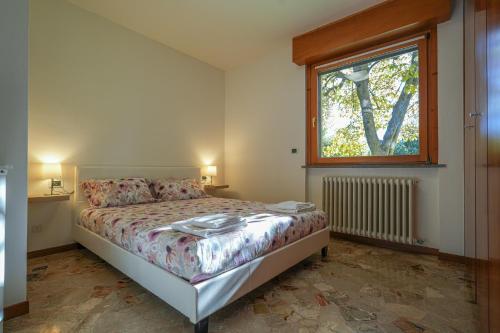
[116, 192]
[177, 189]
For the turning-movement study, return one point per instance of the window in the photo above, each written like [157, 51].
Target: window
[372, 107]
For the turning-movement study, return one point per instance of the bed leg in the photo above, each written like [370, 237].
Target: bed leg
[324, 252]
[201, 326]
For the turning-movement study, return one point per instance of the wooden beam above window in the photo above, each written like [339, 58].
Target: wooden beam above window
[388, 20]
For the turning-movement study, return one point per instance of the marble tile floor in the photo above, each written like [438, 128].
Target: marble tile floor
[357, 288]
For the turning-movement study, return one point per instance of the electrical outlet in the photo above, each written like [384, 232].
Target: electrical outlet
[36, 228]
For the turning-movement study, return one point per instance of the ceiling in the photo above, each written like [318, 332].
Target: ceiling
[223, 33]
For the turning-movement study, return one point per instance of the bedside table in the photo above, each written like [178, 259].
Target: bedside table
[215, 187]
[212, 189]
[48, 198]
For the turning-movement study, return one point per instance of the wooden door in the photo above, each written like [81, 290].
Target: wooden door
[482, 154]
[493, 134]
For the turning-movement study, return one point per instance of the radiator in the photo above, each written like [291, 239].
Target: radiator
[380, 208]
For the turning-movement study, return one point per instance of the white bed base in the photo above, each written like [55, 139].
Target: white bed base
[198, 301]
[195, 301]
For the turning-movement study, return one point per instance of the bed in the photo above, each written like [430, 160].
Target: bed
[197, 276]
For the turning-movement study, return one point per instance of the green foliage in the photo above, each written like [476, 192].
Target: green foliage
[341, 123]
[409, 147]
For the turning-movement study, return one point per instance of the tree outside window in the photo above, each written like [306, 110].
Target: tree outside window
[372, 107]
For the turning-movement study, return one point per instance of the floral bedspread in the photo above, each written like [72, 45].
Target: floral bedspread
[145, 230]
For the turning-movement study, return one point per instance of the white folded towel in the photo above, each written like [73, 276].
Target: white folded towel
[291, 207]
[216, 221]
[210, 225]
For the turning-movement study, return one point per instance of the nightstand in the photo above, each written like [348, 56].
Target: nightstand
[48, 198]
[49, 223]
[212, 189]
[215, 187]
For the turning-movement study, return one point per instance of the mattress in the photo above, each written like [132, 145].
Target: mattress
[145, 231]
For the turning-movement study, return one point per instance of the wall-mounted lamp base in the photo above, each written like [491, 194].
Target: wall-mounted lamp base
[204, 179]
[55, 183]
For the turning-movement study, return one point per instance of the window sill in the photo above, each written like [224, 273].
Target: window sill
[375, 166]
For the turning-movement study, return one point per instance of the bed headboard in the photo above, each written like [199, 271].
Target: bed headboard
[102, 172]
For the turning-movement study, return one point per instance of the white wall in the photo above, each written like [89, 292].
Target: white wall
[265, 117]
[451, 133]
[102, 94]
[13, 140]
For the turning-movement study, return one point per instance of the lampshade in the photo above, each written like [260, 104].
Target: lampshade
[209, 170]
[51, 170]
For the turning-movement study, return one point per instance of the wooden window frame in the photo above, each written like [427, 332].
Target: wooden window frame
[428, 135]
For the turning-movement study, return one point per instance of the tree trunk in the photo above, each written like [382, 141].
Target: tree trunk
[397, 118]
[398, 113]
[388, 143]
[363, 92]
